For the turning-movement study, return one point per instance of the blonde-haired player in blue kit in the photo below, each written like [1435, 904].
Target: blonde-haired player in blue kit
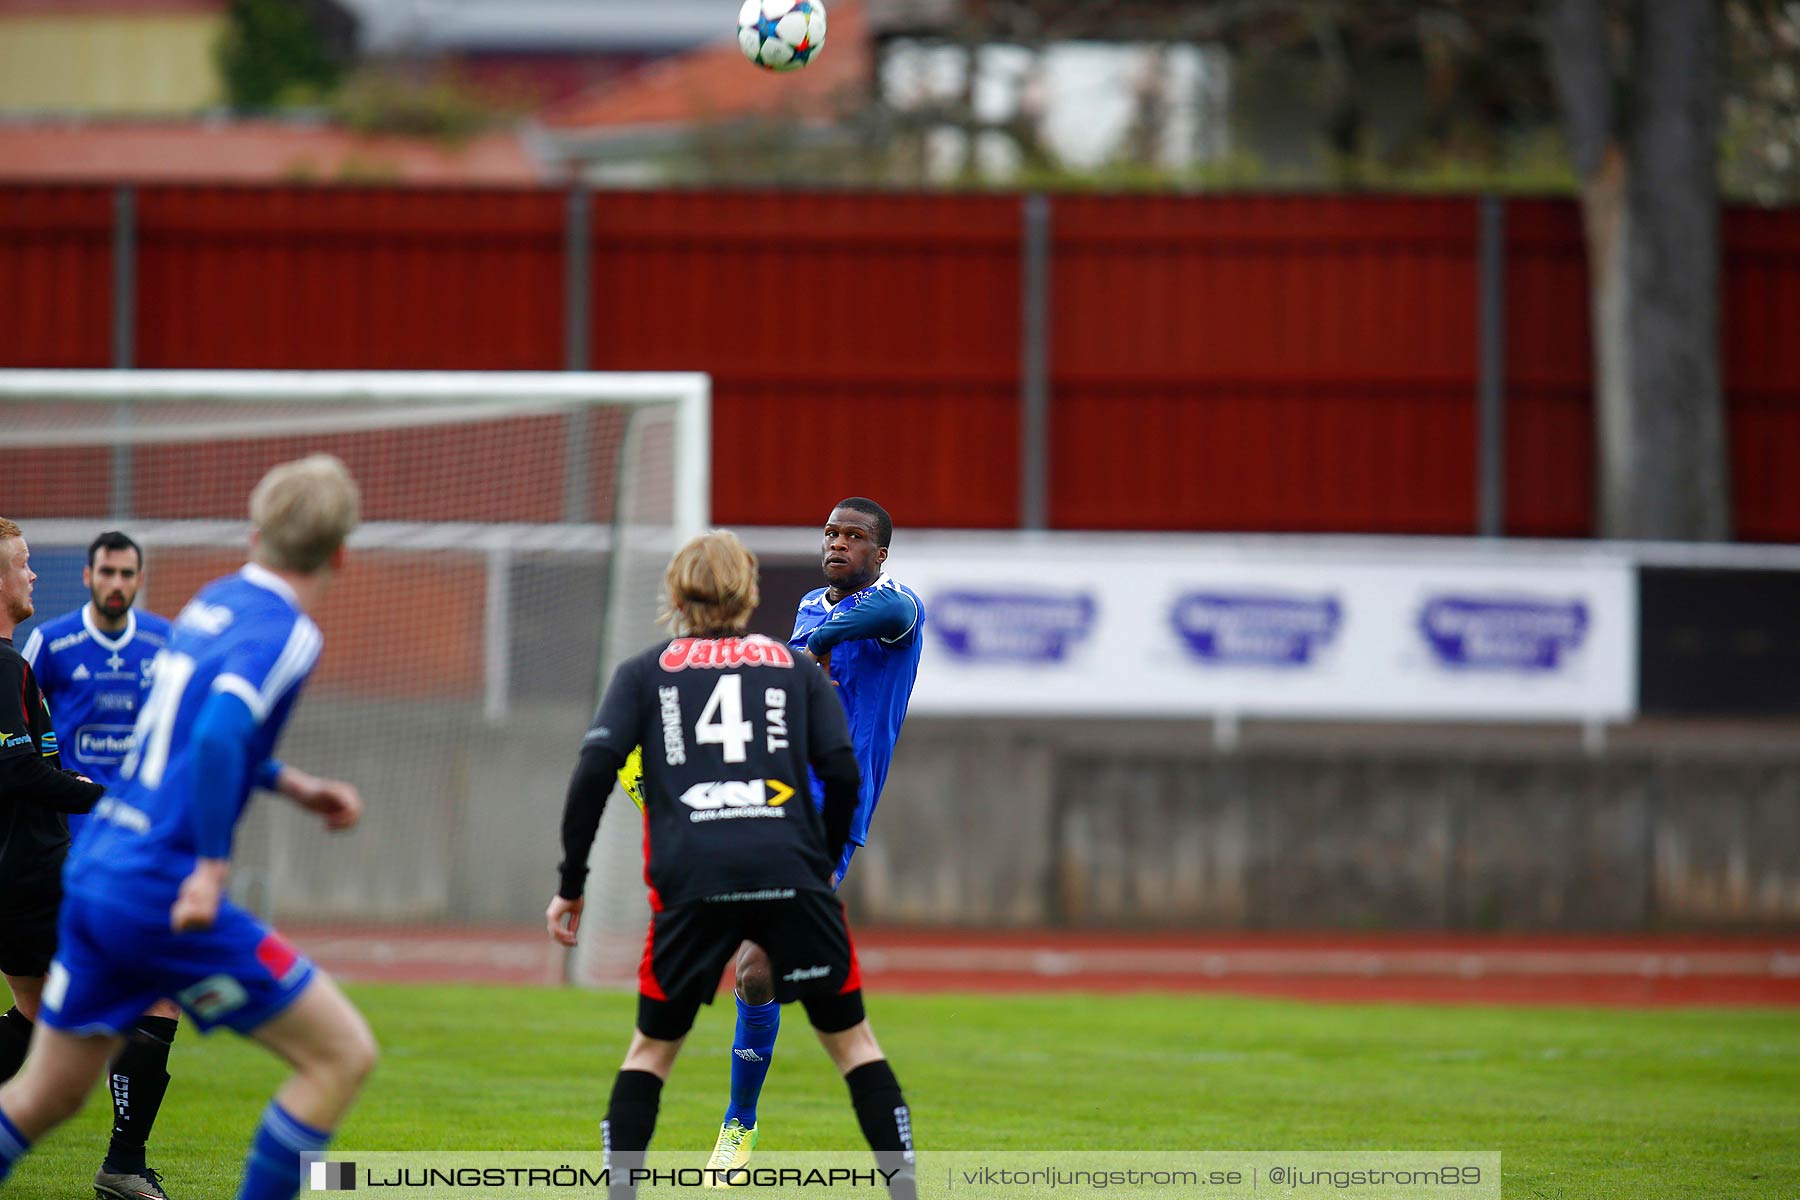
[144, 914]
[868, 631]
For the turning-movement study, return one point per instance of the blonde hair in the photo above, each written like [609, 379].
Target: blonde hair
[304, 511]
[711, 585]
[9, 530]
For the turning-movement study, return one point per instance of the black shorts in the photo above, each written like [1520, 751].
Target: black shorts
[810, 955]
[28, 936]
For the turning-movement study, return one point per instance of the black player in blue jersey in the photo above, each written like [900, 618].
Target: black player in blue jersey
[868, 629]
[730, 726]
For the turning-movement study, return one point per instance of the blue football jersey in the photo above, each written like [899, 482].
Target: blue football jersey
[874, 637]
[95, 683]
[244, 635]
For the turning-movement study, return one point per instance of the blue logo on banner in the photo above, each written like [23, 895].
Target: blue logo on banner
[1256, 628]
[1508, 635]
[1012, 626]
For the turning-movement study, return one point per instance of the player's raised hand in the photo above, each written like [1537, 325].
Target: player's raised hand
[197, 903]
[338, 802]
[563, 919]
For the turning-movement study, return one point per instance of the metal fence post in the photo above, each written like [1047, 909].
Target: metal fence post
[1491, 448]
[124, 338]
[578, 243]
[1034, 364]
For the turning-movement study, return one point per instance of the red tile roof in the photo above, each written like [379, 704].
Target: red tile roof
[250, 152]
[716, 83]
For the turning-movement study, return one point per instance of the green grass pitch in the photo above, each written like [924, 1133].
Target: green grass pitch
[1583, 1104]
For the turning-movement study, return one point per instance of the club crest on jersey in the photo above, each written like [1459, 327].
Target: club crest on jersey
[725, 653]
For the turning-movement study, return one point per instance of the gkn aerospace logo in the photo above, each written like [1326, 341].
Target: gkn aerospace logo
[728, 800]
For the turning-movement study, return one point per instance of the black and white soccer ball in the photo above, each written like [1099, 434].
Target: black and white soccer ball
[781, 35]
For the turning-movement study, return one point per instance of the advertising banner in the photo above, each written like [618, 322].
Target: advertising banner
[1110, 632]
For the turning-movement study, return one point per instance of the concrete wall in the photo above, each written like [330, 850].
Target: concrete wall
[1130, 824]
[1154, 825]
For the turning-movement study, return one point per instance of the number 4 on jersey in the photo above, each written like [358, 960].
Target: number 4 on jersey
[722, 721]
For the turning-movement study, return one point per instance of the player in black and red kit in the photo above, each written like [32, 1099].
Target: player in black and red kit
[36, 796]
[729, 725]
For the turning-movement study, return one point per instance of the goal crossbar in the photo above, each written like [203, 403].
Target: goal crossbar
[690, 392]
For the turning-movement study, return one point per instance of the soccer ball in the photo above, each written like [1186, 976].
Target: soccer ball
[781, 35]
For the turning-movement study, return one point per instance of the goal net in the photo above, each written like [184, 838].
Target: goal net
[515, 531]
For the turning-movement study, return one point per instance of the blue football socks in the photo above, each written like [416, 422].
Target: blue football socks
[13, 1146]
[272, 1172]
[754, 1043]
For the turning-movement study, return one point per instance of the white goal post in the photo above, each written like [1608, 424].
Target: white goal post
[516, 528]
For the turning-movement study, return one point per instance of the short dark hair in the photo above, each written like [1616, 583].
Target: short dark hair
[112, 539]
[884, 524]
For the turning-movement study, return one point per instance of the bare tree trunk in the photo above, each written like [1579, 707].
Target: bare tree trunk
[1682, 478]
[1607, 225]
[1649, 201]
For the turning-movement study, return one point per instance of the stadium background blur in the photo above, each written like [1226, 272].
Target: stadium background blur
[1111, 278]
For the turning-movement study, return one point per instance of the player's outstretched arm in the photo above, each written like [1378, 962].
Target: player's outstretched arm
[221, 738]
[885, 613]
[589, 786]
[339, 803]
[28, 779]
[222, 734]
[25, 776]
[604, 750]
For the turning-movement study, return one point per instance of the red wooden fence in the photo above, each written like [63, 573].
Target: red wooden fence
[1301, 363]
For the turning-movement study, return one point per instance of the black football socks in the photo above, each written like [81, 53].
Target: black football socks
[625, 1133]
[887, 1123]
[138, 1079]
[15, 1039]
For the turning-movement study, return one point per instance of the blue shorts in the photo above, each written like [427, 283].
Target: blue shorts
[112, 964]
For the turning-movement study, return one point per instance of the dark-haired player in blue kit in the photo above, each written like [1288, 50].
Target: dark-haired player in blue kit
[94, 665]
[867, 631]
[144, 915]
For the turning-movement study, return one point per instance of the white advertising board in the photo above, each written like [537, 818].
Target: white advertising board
[1104, 632]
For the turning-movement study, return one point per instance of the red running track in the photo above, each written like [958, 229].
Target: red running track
[1612, 971]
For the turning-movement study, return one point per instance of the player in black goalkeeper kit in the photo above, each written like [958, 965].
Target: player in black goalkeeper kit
[736, 851]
